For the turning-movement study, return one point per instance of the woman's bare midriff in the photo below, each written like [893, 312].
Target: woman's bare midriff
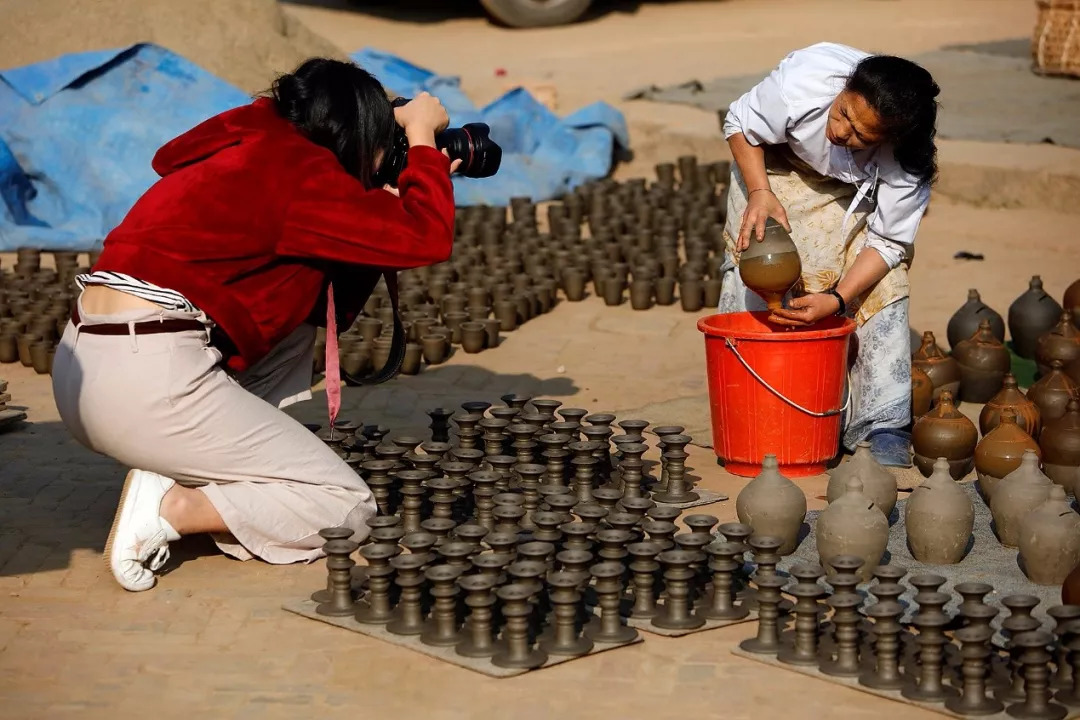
[101, 300]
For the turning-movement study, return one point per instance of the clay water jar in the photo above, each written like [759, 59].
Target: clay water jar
[473, 336]
[1062, 342]
[770, 267]
[1051, 393]
[939, 517]
[665, 291]
[410, 365]
[713, 287]
[1027, 413]
[943, 370]
[434, 348]
[966, 320]
[984, 361]
[922, 393]
[773, 506]
[1049, 540]
[1030, 315]
[1000, 451]
[944, 432]
[1060, 443]
[691, 294]
[1018, 494]
[851, 525]
[9, 348]
[878, 483]
[641, 294]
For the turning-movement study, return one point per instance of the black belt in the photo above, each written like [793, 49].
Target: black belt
[146, 327]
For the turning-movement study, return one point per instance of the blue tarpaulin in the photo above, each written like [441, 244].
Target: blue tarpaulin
[77, 134]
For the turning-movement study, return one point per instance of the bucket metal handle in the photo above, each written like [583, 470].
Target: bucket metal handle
[828, 413]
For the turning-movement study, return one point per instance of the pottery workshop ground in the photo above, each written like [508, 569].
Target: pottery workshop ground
[212, 638]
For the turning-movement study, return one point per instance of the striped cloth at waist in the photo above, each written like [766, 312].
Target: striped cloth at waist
[166, 298]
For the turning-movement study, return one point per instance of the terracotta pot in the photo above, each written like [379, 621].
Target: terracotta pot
[454, 320]
[410, 365]
[573, 280]
[851, 525]
[1027, 412]
[939, 517]
[944, 432]
[453, 303]
[641, 294]
[357, 361]
[23, 342]
[9, 348]
[943, 370]
[1073, 371]
[1062, 342]
[473, 336]
[878, 483]
[491, 332]
[1071, 301]
[665, 291]
[1050, 540]
[612, 291]
[773, 506]
[922, 393]
[1030, 315]
[1019, 493]
[1051, 393]
[965, 321]
[713, 287]
[691, 294]
[1000, 451]
[39, 357]
[984, 362]
[1070, 589]
[1060, 443]
[434, 349]
[506, 311]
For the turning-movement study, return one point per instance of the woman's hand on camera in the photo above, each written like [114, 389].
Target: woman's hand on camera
[761, 206]
[422, 117]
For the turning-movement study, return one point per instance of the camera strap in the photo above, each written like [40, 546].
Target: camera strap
[397, 344]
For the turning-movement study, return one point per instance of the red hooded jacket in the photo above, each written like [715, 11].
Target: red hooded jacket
[250, 219]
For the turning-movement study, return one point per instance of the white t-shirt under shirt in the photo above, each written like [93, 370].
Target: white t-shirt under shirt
[791, 106]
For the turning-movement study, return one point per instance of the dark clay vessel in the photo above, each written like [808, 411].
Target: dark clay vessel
[1000, 451]
[772, 266]
[944, 432]
[965, 321]
[1030, 315]
[1027, 412]
[922, 393]
[943, 370]
[984, 361]
[1060, 443]
[1071, 301]
[1062, 342]
[1051, 393]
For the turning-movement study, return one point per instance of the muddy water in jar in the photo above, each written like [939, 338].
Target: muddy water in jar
[772, 266]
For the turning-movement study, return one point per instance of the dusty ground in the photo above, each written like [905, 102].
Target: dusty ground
[212, 640]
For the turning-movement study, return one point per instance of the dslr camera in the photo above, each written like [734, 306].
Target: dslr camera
[480, 156]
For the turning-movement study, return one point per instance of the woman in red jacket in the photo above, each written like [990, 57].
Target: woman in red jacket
[193, 329]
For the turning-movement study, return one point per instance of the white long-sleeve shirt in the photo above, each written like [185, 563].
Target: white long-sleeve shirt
[791, 106]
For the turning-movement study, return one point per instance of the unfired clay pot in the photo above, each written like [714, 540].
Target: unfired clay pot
[1030, 315]
[1020, 492]
[772, 266]
[1027, 412]
[1000, 451]
[773, 506]
[1051, 393]
[1071, 301]
[943, 370]
[1060, 443]
[944, 432]
[852, 526]
[1050, 540]
[965, 321]
[939, 518]
[878, 483]
[1061, 342]
[922, 393]
[984, 362]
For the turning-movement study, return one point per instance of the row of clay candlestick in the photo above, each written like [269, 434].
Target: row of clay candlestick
[949, 660]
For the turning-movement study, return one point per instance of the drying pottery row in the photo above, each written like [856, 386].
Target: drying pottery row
[939, 659]
[8, 416]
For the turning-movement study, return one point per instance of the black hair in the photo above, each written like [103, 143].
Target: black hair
[904, 96]
[339, 106]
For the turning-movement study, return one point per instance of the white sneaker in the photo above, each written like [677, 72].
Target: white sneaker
[139, 540]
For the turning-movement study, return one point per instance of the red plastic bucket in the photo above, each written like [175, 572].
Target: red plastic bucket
[792, 407]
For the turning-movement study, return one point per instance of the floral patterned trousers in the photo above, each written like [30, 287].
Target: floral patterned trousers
[879, 376]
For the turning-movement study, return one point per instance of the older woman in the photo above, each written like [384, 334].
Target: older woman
[838, 146]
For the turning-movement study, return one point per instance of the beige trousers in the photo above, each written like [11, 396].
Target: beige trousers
[165, 403]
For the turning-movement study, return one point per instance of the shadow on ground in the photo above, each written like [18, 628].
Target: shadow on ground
[57, 497]
[438, 11]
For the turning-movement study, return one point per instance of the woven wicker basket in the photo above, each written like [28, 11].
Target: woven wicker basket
[1055, 46]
